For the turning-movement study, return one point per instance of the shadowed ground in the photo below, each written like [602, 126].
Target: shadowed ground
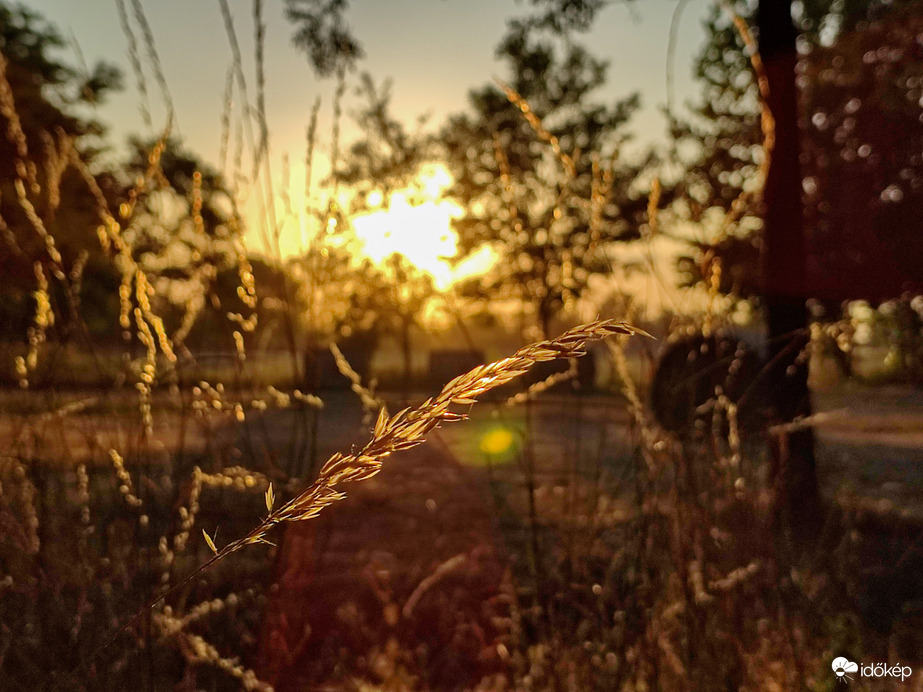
[413, 571]
[406, 566]
[413, 565]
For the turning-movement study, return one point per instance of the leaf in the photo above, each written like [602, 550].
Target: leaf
[463, 400]
[381, 422]
[210, 542]
[399, 416]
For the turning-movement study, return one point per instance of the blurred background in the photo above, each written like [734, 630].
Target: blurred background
[237, 238]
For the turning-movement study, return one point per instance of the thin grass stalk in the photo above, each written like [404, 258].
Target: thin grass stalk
[335, 135]
[153, 56]
[542, 386]
[366, 395]
[247, 116]
[227, 106]
[573, 475]
[767, 122]
[536, 563]
[536, 123]
[135, 59]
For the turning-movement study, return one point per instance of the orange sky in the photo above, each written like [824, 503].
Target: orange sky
[435, 51]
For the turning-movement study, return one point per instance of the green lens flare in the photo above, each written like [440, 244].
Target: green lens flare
[497, 441]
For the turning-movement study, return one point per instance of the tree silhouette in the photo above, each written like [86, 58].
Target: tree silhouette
[45, 123]
[860, 135]
[784, 285]
[387, 157]
[551, 225]
[324, 35]
[530, 165]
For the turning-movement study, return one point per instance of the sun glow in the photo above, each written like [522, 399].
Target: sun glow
[417, 224]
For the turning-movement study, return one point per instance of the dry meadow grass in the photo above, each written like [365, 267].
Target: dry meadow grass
[555, 541]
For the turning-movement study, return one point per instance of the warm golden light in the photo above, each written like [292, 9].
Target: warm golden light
[417, 224]
[421, 233]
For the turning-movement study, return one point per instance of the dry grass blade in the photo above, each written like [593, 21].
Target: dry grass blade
[767, 121]
[438, 574]
[536, 123]
[403, 430]
[153, 56]
[407, 428]
[543, 386]
[369, 401]
[24, 166]
[134, 58]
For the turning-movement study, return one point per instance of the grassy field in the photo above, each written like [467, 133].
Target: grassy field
[448, 569]
[184, 507]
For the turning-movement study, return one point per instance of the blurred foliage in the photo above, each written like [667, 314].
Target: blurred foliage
[901, 323]
[324, 35]
[184, 232]
[538, 174]
[51, 99]
[859, 77]
[864, 153]
[186, 217]
[549, 220]
[354, 302]
[386, 157]
[213, 330]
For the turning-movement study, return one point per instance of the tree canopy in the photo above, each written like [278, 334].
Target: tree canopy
[536, 169]
[860, 135]
[323, 33]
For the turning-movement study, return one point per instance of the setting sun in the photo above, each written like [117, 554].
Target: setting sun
[417, 224]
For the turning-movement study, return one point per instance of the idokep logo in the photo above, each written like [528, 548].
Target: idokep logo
[842, 667]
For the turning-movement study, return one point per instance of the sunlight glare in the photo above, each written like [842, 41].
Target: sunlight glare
[417, 224]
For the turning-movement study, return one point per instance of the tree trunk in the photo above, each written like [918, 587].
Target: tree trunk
[785, 285]
[545, 315]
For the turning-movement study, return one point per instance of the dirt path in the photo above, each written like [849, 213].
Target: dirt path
[403, 574]
[407, 573]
